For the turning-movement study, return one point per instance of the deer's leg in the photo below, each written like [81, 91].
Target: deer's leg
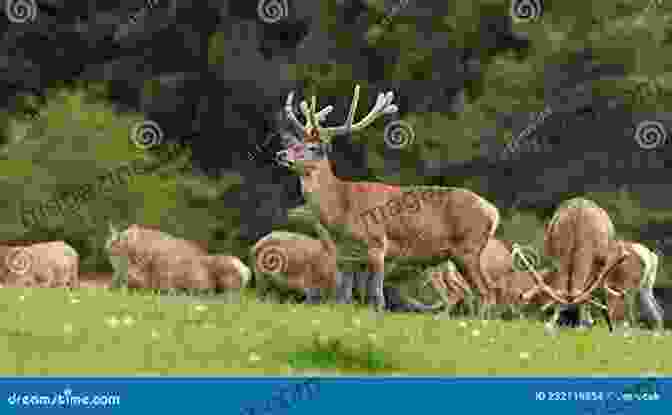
[313, 295]
[472, 264]
[374, 290]
[649, 308]
[344, 290]
[362, 279]
[617, 308]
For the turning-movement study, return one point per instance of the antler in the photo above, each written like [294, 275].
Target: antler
[383, 106]
[313, 119]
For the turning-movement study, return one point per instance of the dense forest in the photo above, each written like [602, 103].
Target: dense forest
[526, 109]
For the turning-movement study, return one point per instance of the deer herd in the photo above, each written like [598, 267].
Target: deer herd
[451, 230]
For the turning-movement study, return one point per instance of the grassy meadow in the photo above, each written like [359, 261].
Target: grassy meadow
[99, 332]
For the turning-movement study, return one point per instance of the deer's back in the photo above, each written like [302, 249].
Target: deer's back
[578, 224]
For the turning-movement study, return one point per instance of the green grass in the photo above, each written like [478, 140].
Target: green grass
[45, 332]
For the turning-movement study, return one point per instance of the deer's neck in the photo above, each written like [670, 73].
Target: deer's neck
[326, 196]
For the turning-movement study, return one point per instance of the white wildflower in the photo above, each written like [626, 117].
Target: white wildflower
[524, 355]
[200, 307]
[112, 322]
[463, 324]
[323, 340]
[74, 301]
[254, 357]
[22, 297]
[155, 334]
[128, 321]
[476, 333]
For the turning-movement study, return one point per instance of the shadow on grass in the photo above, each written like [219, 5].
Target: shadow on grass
[336, 355]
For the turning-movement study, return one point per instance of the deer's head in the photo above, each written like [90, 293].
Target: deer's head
[308, 155]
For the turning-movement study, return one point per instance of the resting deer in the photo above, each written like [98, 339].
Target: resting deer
[418, 223]
[156, 260]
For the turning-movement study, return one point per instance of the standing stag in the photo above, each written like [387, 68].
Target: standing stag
[581, 237]
[416, 223]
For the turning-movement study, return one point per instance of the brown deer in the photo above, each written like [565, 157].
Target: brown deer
[47, 264]
[157, 260]
[288, 261]
[418, 223]
[581, 237]
[637, 273]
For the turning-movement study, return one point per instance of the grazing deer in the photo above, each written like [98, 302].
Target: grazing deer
[497, 261]
[581, 237]
[440, 285]
[416, 223]
[288, 261]
[47, 264]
